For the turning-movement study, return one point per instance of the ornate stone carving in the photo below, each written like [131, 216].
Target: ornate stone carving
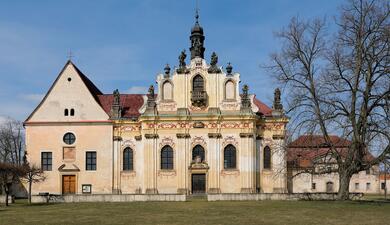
[277, 102]
[198, 124]
[232, 172]
[214, 135]
[198, 140]
[245, 100]
[182, 63]
[131, 128]
[116, 109]
[128, 143]
[167, 106]
[166, 173]
[151, 102]
[278, 137]
[229, 140]
[167, 141]
[151, 136]
[167, 71]
[138, 137]
[213, 64]
[246, 135]
[183, 135]
[166, 126]
[229, 69]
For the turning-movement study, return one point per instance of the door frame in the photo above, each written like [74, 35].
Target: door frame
[205, 182]
[62, 183]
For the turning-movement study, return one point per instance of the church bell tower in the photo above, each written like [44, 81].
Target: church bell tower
[197, 39]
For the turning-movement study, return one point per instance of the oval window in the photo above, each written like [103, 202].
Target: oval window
[69, 138]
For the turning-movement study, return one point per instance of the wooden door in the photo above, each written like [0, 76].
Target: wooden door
[198, 183]
[68, 184]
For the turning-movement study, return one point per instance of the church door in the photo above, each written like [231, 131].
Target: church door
[68, 184]
[198, 183]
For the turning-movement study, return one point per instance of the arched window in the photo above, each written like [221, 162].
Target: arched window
[229, 157]
[229, 90]
[267, 158]
[198, 151]
[167, 158]
[71, 112]
[128, 159]
[66, 112]
[167, 91]
[197, 83]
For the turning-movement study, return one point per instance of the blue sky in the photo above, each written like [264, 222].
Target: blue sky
[124, 44]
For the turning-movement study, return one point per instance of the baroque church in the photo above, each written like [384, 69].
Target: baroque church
[197, 133]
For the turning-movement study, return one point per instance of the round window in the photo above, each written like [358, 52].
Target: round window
[69, 138]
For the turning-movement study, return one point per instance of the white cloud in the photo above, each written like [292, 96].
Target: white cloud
[137, 90]
[32, 97]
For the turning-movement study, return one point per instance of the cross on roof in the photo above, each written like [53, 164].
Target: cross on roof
[70, 54]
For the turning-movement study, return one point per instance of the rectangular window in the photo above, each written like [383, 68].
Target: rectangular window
[383, 185]
[356, 186]
[313, 186]
[368, 186]
[46, 161]
[90, 161]
[368, 172]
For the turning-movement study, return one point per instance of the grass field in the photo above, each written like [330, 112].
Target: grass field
[199, 212]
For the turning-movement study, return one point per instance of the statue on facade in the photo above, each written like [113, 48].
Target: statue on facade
[182, 63]
[277, 105]
[116, 97]
[245, 100]
[213, 64]
[151, 102]
[116, 110]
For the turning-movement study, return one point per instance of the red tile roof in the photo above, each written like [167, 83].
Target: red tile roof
[310, 141]
[263, 108]
[131, 103]
[307, 148]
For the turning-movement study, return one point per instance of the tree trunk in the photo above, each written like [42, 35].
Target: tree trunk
[29, 192]
[6, 190]
[344, 180]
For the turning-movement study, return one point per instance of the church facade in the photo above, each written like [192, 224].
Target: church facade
[197, 133]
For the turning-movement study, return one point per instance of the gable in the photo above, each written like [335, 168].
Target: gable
[71, 90]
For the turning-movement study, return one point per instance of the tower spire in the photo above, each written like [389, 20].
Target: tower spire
[197, 38]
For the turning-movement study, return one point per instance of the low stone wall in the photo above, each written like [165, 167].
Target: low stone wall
[10, 199]
[277, 196]
[108, 198]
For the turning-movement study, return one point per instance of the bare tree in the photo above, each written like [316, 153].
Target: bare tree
[10, 173]
[11, 142]
[33, 174]
[340, 83]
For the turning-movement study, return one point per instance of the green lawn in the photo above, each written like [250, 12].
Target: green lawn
[199, 212]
